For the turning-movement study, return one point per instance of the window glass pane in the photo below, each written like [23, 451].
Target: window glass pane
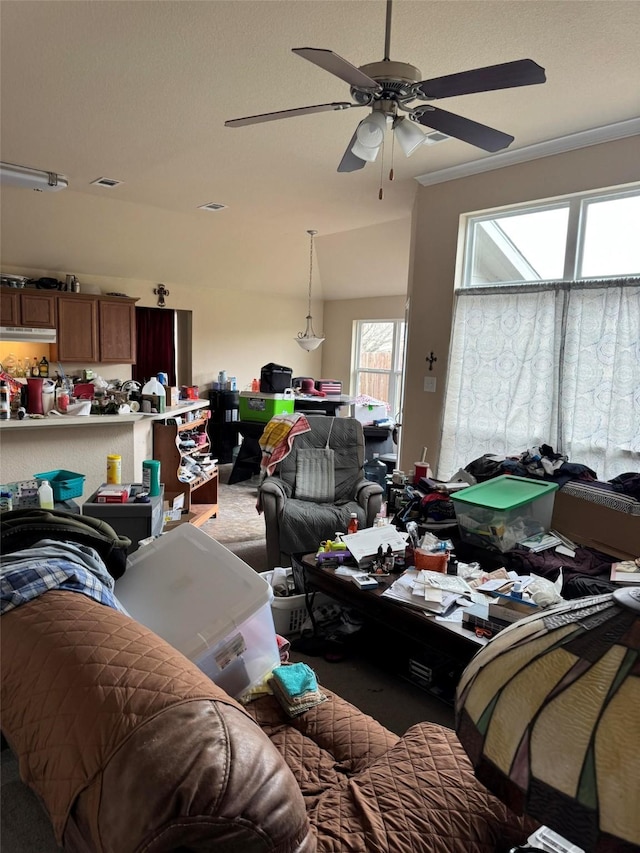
[374, 385]
[611, 245]
[376, 346]
[519, 247]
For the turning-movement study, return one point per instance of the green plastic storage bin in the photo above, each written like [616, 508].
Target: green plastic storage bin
[501, 512]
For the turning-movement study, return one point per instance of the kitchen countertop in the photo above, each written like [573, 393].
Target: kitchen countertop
[57, 421]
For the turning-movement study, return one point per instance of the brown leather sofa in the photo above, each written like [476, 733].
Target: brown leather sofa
[131, 748]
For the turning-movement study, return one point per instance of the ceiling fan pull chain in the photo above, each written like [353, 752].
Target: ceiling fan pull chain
[381, 191]
[393, 142]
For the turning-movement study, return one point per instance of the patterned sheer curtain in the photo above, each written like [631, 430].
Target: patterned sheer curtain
[555, 363]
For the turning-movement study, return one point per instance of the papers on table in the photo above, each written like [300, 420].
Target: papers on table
[365, 543]
[432, 592]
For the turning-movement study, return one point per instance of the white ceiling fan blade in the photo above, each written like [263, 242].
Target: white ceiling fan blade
[334, 64]
[298, 111]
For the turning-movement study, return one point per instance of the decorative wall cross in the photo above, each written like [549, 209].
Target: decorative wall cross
[161, 291]
[430, 359]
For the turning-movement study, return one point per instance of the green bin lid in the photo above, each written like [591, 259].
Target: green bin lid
[505, 492]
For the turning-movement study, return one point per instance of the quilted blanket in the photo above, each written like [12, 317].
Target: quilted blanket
[368, 791]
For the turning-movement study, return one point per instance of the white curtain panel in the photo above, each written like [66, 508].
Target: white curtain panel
[554, 364]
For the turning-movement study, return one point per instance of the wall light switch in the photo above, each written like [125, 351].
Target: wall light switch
[429, 383]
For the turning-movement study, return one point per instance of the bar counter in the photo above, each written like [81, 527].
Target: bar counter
[57, 420]
[33, 445]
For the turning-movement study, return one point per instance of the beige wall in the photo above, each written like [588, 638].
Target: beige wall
[436, 224]
[339, 317]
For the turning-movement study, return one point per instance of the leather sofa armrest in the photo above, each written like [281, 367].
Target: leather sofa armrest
[201, 775]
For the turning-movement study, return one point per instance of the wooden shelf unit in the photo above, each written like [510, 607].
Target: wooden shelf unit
[201, 494]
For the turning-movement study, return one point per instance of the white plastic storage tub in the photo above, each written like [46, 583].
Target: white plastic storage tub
[207, 603]
[503, 511]
[290, 612]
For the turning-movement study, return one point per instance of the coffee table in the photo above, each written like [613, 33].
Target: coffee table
[429, 653]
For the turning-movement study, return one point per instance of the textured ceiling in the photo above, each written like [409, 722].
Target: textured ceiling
[139, 92]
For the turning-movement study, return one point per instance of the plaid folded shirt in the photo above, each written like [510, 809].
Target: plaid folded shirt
[25, 575]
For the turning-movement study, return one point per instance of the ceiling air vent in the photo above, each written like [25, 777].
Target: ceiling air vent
[212, 206]
[110, 183]
[436, 136]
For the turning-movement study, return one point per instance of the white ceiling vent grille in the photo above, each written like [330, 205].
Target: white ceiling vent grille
[109, 183]
[212, 206]
[436, 136]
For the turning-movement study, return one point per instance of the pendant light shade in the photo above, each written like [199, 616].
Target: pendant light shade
[308, 340]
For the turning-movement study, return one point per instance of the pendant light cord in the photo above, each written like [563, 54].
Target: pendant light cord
[311, 235]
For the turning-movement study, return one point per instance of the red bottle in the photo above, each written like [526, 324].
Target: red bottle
[353, 523]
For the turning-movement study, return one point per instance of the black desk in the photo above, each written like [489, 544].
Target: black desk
[249, 455]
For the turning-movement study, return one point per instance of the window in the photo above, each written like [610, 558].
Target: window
[546, 343]
[379, 360]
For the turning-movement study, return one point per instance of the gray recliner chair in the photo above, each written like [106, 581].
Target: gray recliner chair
[298, 516]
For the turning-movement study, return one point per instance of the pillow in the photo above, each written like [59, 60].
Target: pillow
[315, 475]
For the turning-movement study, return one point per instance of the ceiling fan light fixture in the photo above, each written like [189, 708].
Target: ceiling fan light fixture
[409, 135]
[363, 152]
[370, 131]
[308, 340]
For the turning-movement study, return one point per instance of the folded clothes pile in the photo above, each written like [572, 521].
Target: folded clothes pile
[295, 687]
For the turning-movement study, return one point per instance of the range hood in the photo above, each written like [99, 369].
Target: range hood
[27, 334]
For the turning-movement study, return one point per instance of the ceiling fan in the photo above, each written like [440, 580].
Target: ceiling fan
[389, 87]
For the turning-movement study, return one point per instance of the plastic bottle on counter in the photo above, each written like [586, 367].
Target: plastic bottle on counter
[35, 368]
[45, 495]
[114, 469]
[353, 523]
[5, 403]
[155, 388]
[44, 367]
[151, 477]
[255, 385]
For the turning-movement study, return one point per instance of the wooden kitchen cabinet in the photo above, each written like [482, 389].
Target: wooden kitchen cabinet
[77, 328]
[38, 309]
[90, 328]
[9, 307]
[27, 308]
[117, 320]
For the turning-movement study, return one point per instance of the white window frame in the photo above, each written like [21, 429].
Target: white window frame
[574, 245]
[397, 358]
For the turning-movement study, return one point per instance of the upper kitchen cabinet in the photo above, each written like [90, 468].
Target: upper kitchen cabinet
[27, 308]
[77, 328]
[95, 329]
[117, 320]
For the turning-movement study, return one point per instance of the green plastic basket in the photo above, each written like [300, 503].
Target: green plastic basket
[65, 484]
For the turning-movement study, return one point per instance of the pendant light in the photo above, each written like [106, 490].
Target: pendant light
[308, 339]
